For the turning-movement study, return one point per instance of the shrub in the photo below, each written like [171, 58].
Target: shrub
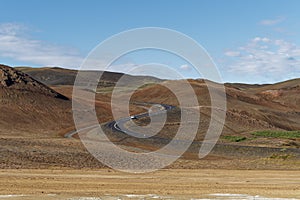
[278, 134]
[234, 138]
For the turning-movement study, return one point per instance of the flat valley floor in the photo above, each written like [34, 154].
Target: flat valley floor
[70, 184]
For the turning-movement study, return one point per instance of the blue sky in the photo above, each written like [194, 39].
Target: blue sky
[253, 41]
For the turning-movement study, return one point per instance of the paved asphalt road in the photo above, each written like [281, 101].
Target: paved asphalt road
[118, 125]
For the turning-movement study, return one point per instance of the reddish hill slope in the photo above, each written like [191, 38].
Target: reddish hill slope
[30, 107]
[249, 108]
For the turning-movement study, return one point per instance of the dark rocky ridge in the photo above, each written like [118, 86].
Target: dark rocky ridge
[17, 80]
[29, 107]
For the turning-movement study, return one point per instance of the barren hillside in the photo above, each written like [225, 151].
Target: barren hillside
[28, 106]
[34, 117]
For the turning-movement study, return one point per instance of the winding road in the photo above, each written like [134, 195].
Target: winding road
[119, 125]
[223, 149]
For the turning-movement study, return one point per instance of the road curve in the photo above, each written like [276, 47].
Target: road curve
[116, 124]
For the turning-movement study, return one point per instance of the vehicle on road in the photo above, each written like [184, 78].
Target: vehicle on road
[133, 117]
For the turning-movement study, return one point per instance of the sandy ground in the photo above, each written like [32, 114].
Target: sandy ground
[177, 183]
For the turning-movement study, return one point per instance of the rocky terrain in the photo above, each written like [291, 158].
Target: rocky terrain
[30, 107]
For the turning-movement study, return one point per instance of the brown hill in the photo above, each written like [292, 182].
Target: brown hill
[30, 107]
[250, 108]
[51, 75]
[32, 114]
[61, 76]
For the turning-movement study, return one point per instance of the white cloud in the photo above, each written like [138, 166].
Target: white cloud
[185, 67]
[261, 39]
[14, 45]
[266, 59]
[11, 28]
[271, 22]
[232, 53]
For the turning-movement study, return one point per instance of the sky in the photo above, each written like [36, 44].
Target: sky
[251, 41]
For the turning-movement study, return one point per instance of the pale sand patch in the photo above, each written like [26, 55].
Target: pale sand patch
[179, 184]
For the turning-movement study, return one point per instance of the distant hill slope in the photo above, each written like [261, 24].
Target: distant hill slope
[30, 107]
[51, 76]
[249, 107]
[61, 76]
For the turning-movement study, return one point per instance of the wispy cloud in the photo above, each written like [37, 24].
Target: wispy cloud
[15, 45]
[232, 53]
[266, 59]
[185, 67]
[271, 22]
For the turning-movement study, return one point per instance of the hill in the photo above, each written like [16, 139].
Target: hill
[60, 76]
[30, 107]
[250, 108]
[261, 121]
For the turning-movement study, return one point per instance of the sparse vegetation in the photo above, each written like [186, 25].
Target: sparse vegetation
[234, 138]
[281, 156]
[278, 134]
[147, 85]
[105, 89]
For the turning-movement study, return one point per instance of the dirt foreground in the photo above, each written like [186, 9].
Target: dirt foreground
[178, 184]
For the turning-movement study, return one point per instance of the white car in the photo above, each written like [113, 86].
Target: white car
[133, 117]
